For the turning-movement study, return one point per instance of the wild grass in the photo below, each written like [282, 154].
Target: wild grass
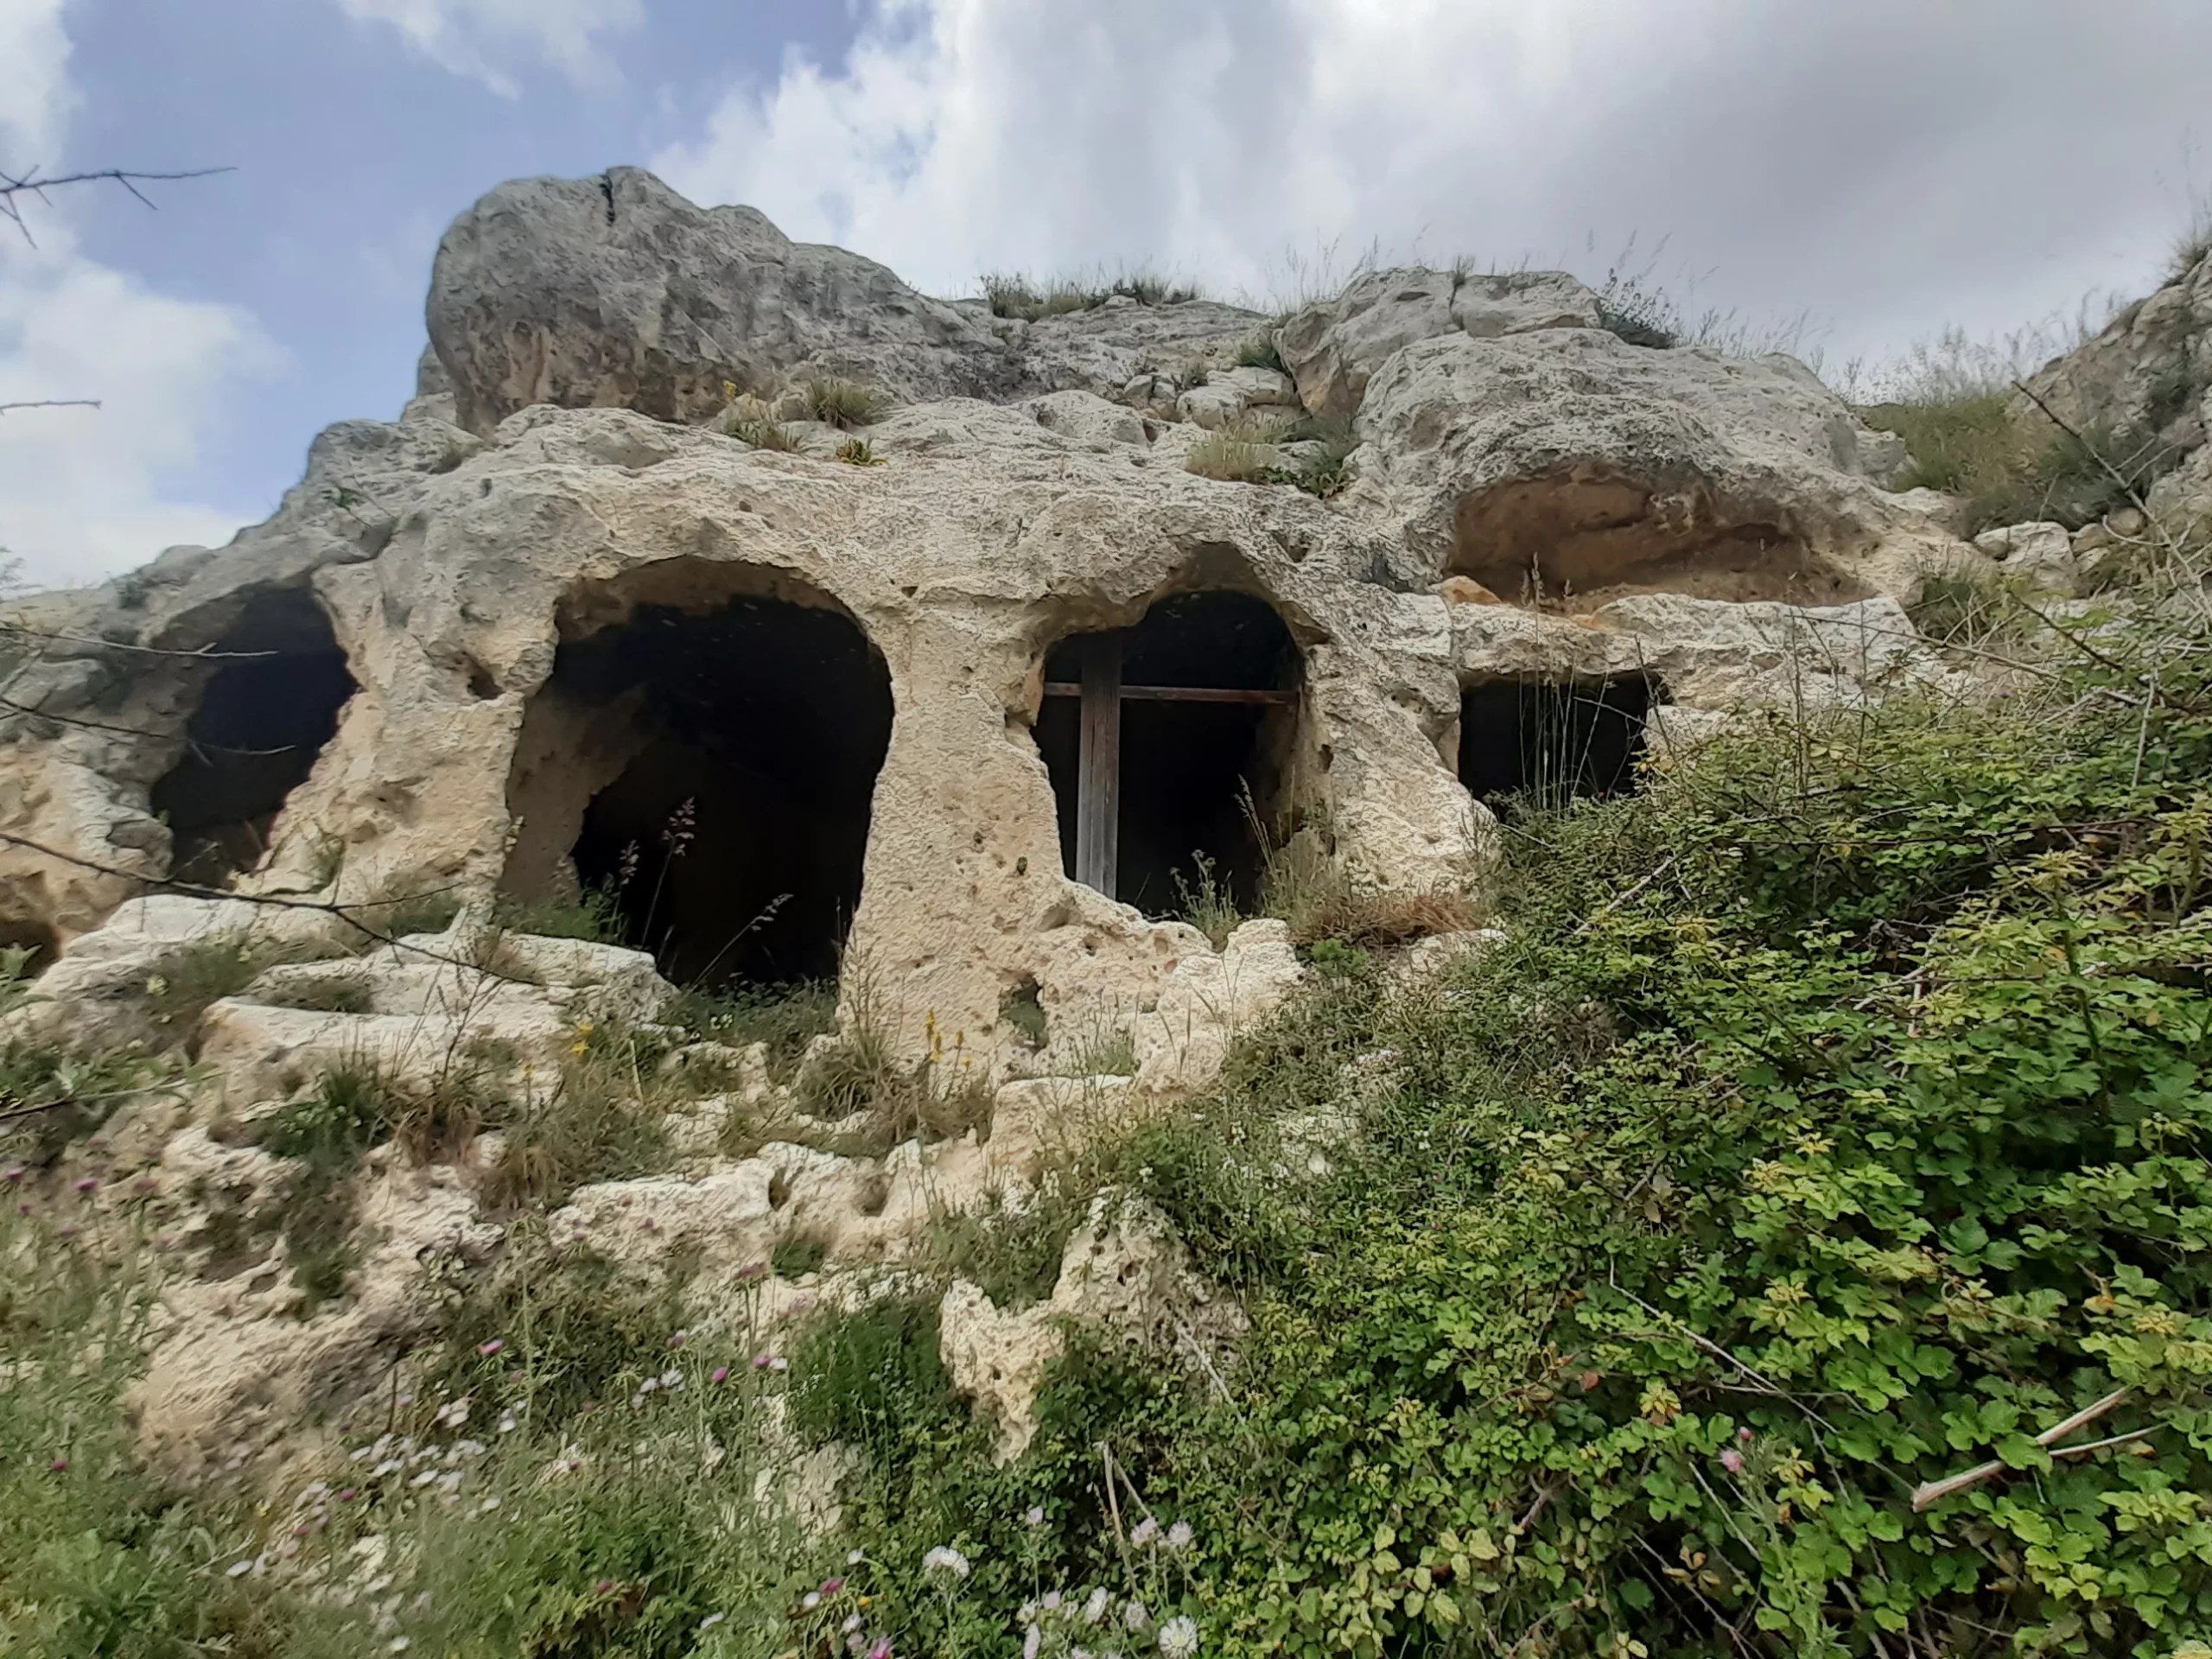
[1012, 294]
[844, 403]
[602, 1119]
[870, 1378]
[1260, 351]
[1231, 460]
[593, 915]
[858, 452]
[2194, 244]
[784, 1018]
[189, 978]
[402, 911]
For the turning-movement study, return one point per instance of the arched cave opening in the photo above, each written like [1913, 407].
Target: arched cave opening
[1579, 540]
[708, 769]
[1207, 691]
[1550, 740]
[262, 720]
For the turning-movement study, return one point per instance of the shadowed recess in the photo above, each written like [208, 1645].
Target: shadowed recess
[1580, 538]
[732, 836]
[261, 723]
[1551, 740]
[1192, 774]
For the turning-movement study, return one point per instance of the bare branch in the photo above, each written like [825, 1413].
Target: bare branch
[1935, 1492]
[53, 403]
[15, 188]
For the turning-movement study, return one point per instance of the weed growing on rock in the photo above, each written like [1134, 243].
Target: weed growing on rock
[845, 404]
[1231, 460]
[859, 452]
[1260, 351]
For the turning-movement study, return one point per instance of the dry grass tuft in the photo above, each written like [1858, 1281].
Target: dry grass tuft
[1232, 459]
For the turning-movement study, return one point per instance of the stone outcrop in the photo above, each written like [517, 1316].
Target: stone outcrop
[1333, 348]
[560, 627]
[2141, 392]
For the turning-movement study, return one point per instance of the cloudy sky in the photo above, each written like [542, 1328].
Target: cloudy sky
[1880, 169]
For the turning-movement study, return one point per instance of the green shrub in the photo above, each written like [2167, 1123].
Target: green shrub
[1828, 1126]
[797, 1253]
[859, 452]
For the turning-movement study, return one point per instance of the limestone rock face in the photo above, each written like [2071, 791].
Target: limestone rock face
[616, 291]
[1333, 348]
[2142, 387]
[1568, 465]
[469, 578]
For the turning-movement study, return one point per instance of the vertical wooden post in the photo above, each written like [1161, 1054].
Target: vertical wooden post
[1098, 780]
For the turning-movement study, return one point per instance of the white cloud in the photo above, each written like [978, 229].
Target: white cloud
[472, 37]
[34, 95]
[1885, 166]
[84, 492]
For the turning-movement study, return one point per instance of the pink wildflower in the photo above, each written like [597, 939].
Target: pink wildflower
[488, 1349]
[87, 1183]
[60, 1466]
[1743, 1434]
[881, 1650]
[721, 1373]
[832, 1586]
[16, 1176]
[1732, 1460]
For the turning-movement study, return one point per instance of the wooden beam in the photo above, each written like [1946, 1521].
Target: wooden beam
[1178, 693]
[1098, 782]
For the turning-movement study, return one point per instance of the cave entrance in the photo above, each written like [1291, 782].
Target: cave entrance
[1170, 747]
[264, 719]
[705, 772]
[1549, 741]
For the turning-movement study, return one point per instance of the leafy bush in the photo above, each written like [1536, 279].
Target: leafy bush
[1829, 1125]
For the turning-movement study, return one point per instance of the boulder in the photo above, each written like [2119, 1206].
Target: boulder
[616, 291]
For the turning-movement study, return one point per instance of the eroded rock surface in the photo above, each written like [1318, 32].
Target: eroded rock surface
[800, 702]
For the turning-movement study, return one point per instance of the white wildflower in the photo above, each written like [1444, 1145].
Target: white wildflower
[1094, 1609]
[853, 1622]
[710, 1621]
[1135, 1615]
[810, 1601]
[1147, 1530]
[946, 1559]
[856, 1558]
[1178, 1536]
[238, 1569]
[1036, 1516]
[1179, 1638]
[671, 1379]
[1032, 1642]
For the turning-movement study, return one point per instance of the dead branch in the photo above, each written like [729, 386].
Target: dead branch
[15, 188]
[1935, 1492]
[53, 403]
[345, 913]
